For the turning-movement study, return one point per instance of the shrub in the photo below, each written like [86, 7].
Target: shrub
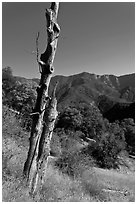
[128, 126]
[108, 146]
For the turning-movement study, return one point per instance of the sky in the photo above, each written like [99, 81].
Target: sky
[96, 37]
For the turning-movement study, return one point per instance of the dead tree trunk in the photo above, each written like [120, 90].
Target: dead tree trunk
[45, 113]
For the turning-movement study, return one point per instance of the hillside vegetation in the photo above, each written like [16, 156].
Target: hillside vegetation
[89, 152]
[77, 180]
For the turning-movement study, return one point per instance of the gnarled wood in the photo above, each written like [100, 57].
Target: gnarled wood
[45, 113]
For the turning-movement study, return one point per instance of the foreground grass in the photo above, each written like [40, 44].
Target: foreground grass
[57, 187]
[93, 185]
[88, 183]
[119, 186]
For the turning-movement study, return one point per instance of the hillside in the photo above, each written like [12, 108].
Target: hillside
[78, 181]
[120, 111]
[108, 92]
[84, 102]
[86, 148]
[90, 87]
[86, 88]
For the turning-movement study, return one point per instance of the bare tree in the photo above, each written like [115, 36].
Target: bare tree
[45, 113]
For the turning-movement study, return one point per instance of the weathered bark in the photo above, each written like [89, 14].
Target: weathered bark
[44, 114]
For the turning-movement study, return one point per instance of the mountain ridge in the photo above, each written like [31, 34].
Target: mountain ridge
[106, 91]
[111, 94]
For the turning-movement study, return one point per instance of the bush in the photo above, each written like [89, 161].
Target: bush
[19, 95]
[70, 119]
[109, 145]
[128, 126]
[88, 122]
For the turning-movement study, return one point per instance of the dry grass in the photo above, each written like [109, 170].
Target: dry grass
[86, 185]
[57, 187]
[121, 186]
[62, 188]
